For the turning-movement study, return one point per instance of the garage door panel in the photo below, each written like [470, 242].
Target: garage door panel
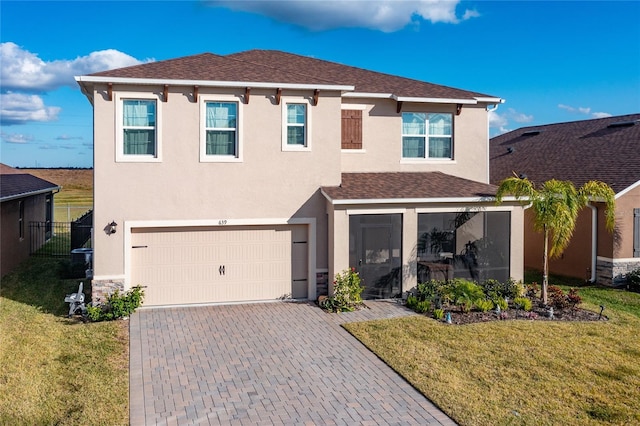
[202, 265]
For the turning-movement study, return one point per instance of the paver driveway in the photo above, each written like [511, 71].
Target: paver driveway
[271, 363]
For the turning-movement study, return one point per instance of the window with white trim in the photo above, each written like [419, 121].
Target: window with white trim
[296, 125]
[138, 135]
[427, 135]
[220, 129]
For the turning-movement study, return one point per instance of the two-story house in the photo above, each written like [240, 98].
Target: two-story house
[258, 175]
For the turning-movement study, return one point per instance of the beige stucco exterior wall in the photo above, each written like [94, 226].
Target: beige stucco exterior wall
[13, 248]
[576, 259]
[339, 235]
[268, 183]
[623, 236]
[382, 140]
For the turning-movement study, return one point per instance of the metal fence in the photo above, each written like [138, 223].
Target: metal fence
[57, 239]
[69, 212]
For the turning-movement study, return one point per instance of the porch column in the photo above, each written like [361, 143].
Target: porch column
[338, 244]
[409, 249]
[517, 244]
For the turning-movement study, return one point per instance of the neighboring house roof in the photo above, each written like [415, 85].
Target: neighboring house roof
[14, 186]
[604, 149]
[405, 186]
[8, 170]
[276, 68]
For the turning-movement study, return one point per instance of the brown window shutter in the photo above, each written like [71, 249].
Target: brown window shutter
[351, 129]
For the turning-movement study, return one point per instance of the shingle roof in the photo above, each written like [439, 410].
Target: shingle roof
[22, 185]
[406, 185]
[577, 151]
[271, 66]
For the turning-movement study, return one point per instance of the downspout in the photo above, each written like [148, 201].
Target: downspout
[594, 241]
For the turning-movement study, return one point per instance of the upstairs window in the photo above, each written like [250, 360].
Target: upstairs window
[139, 127]
[427, 135]
[221, 128]
[296, 123]
[138, 122]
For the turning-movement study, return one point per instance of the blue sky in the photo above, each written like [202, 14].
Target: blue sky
[551, 61]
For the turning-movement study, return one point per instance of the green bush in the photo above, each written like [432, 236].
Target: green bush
[633, 280]
[411, 302]
[484, 305]
[347, 292]
[522, 303]
[502, 303]
[438, 314]
[495, 289]
[430, 290]
[464, 293]
[423, 307]
[118, 305]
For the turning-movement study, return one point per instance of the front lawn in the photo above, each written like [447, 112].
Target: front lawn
[522, 372]
[55, 370]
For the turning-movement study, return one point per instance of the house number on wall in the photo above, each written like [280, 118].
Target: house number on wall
[222, 222]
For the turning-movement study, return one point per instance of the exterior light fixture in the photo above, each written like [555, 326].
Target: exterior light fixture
[112, 227]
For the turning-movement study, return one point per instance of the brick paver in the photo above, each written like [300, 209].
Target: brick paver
[264, 364]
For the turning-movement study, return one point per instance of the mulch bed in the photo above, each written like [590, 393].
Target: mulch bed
[536, 314]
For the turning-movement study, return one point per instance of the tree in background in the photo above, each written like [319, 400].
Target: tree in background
[555, 205]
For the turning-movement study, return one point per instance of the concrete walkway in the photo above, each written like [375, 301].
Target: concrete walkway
[265, 364]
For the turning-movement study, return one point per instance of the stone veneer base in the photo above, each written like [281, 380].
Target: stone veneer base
[613, 274]
[100, 289]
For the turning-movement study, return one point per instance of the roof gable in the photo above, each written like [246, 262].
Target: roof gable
[601, 149]
[23, 185]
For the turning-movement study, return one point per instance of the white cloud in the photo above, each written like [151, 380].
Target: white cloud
[383, 15]
[584, 111]
[68, 138]
[19, 108]
[498, 122]
[25, 71]
[16, 138]
[519, 117]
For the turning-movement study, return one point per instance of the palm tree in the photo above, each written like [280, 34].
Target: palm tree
[555, 206]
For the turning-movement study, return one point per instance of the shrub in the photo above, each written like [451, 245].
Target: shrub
[502, 303]
[484, 305]
[532, 290]
[118, 305]
[495, 289]
[411, 302]
[430, 290]
[633, 280]
[438, 314]
[347, 292]
[557, 298]
[423, 307]
[522, 303]
[573, 298]
[464, 293]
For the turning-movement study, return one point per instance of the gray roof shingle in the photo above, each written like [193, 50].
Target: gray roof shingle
[406, 185]
[18, 185]
[577, 151]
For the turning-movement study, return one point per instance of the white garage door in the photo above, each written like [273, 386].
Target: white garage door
[214, 264]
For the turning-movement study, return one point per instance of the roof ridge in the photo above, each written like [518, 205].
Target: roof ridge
[229, 56]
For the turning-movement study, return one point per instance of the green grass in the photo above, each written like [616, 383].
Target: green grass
[522, 372]
[55, 370]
